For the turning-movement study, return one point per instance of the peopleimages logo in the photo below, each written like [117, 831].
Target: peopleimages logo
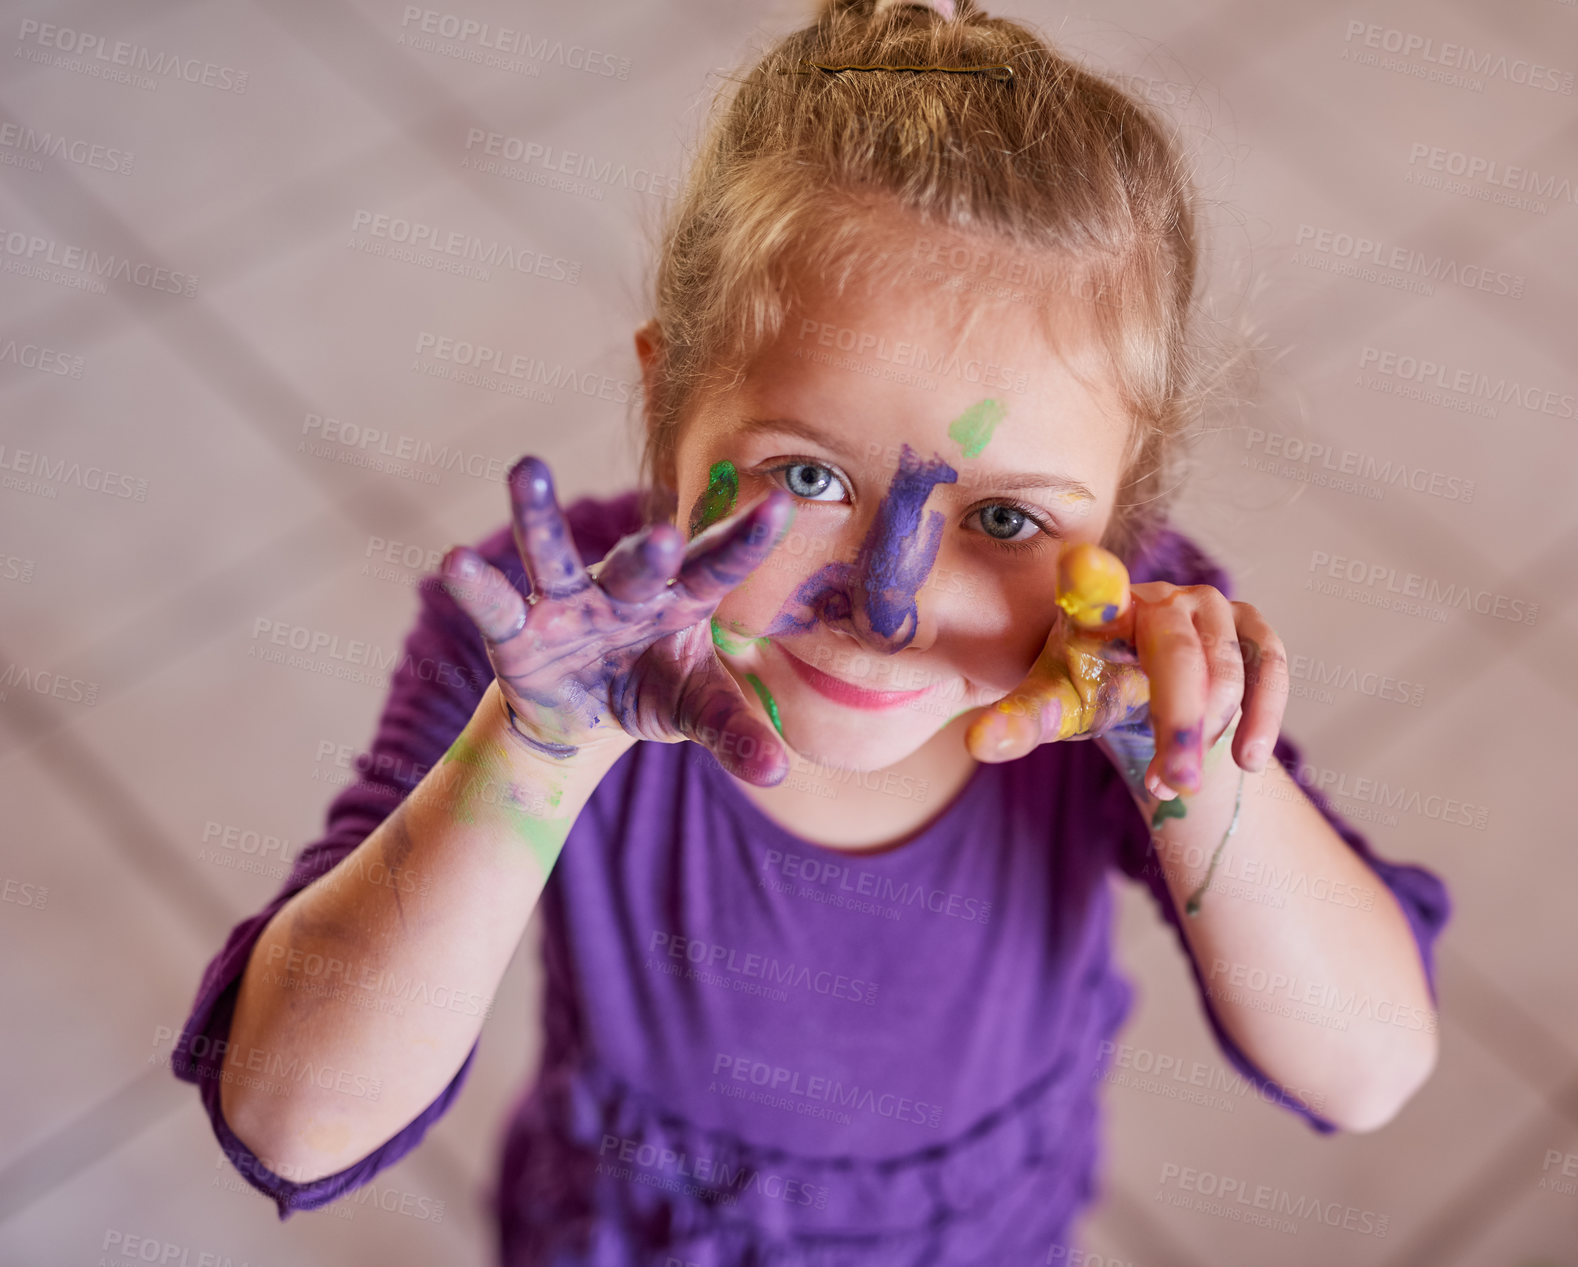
[470, 247]
[1451, 56]
[1428, 372]
[1428, 589]
[1356, 249]
[1525, 180]
[121, 61]
[1264, 1198]
[902, 354]
[857, 881]
[768, 969]
[711, 1174]
[30, 251]
[487, 40]
[496, 153]
[777, 1082]
[45, 360]
[1288, 453]
[29, 143]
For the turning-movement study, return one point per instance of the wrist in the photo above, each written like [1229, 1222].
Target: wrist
[497, 789]
[1132, 748]
[534, 755]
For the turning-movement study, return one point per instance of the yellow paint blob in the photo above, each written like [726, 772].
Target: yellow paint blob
[1092, 585]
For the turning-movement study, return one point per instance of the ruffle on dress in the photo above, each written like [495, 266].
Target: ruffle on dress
[607, 1176]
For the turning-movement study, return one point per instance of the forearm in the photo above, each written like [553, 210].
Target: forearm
[1307, 958]
[377, 976]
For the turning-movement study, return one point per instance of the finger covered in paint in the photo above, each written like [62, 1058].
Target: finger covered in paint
[724, 555]
[1092, 585]
[541, 534]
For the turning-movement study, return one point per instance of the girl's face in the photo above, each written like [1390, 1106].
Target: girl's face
[936, 479]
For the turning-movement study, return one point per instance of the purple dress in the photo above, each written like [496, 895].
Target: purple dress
[763, 1051]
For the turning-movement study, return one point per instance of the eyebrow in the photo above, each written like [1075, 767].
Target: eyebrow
[1006, 480]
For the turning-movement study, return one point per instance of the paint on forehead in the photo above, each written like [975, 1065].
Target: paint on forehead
[768, 702]
[972, 430]
[718, 499]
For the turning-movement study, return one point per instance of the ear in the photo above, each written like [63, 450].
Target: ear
[649, 343]
[649, 351]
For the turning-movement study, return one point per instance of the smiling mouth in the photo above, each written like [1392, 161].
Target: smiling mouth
[841, 692]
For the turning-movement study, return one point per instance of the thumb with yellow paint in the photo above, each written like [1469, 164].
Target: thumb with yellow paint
[1086, 678]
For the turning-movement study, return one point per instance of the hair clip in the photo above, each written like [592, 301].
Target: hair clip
[947, 8]
[999, 71]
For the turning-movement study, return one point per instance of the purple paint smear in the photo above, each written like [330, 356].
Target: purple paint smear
[874, 597]
[581, 655]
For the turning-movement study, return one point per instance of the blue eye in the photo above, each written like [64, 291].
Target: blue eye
[811, 480]
[1004, 522]
[1007, 523]
[1012, 526]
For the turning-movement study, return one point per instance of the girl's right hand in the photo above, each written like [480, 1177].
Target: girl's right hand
[625, 649]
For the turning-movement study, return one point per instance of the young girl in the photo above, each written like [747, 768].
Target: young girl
[828, 969]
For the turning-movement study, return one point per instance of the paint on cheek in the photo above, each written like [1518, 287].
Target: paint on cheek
[822, 596]
[718, 499]
[875, 595]
[768, 702]
[728, 642]
[972, 430]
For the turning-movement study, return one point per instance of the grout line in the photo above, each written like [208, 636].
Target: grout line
[161, 634]
[1130, 1210]
[90, 1137]
[1512, 1032]
[408, 125]
[101, 795]
[1139, 1225]
[204, 340]
[1381, 730]
[1490, 1192]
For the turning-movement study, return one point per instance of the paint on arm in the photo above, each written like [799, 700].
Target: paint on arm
[521, 808]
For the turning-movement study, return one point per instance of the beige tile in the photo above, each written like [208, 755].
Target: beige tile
[100, 961]
[172, 1187]
[158, 483]
[154, 602]
[1404, 1172]
[1536, 1226]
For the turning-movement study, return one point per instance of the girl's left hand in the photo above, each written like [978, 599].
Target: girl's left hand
[1119, 654]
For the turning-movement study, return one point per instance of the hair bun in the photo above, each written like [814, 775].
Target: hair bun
[948, 9]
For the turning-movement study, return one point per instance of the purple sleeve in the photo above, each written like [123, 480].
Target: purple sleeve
[1420, 893]
[433, 693]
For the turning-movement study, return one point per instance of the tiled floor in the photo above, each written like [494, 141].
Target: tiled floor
[239, 506]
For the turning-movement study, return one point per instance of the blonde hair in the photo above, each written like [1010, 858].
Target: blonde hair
[1055, 164]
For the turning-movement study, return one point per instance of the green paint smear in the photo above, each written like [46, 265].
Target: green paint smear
[545, 837]
[972, 430]
[1168, 809]
[719, 499]
[728, 645]
[768, 702]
